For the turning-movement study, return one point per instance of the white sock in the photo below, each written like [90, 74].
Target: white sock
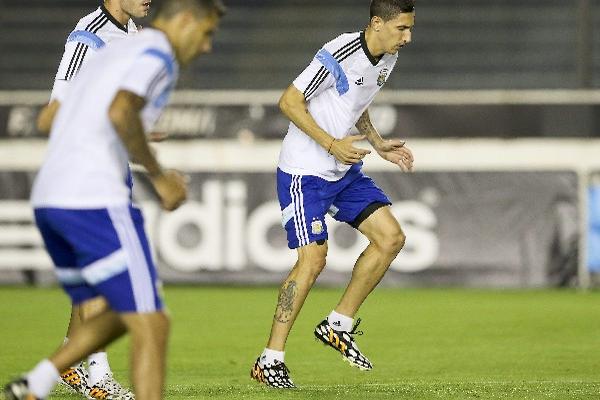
[42, 378]
[269, 356]
[340, 322]
[98, 367]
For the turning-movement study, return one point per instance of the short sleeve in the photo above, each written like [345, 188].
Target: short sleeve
[150, 75]
[78, 49]
[314, 80]
[59, 90]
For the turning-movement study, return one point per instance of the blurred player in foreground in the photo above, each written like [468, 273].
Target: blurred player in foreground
[110, 22]
[320, 172]
[82, 201]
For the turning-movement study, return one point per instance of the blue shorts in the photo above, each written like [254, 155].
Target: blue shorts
[305, 199]
[102, 252]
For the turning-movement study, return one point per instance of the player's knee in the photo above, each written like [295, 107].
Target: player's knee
[313, 265]
[162, 324]
[392, 242]
[313, 262]
[163, 320]
[149, 326]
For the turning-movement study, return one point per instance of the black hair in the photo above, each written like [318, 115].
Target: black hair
[169, 8]
[389, 9]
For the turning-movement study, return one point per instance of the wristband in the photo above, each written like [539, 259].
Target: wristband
[331, 145]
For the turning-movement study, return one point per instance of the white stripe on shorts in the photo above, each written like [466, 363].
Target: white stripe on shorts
[139, 271]
[105, 268]
[299, 219]
[303, 220]
[69, 276]
[292, 195]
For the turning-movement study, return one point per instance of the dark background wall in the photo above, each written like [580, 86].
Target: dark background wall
[264, 44]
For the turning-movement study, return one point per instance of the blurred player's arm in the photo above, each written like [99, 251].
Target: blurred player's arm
[46, 117]
[48, 112]
[124, 114]
[392, 150]
[293, 105]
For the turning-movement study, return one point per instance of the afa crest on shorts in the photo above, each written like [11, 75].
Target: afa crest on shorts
[316, 227]
[383, 75]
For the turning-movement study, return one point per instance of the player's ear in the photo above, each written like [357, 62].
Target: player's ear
[377, 23]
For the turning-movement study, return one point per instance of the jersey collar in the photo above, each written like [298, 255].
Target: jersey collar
[112, 19]
[363, 42]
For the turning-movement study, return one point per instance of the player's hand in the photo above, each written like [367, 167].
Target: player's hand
[171, 187]
[344, 151]
[395, 151]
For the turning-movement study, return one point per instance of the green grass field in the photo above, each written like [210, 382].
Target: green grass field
[424, 344]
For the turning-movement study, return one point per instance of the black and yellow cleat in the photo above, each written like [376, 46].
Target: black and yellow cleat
[75, 378]
[18, 390]
[109, 389]
[96, 392]
[344, 343]
[276, 375]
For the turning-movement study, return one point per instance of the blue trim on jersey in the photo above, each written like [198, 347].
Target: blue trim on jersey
[87, 38]
[335, 69]
[166, 58]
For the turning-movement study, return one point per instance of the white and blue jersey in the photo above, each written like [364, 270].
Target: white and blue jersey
[339, 85]
[91, 33]
[81, 196]
[86, 165]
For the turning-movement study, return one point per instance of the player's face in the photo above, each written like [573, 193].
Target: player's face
[136, 8]
[397, 33]
[196, 37]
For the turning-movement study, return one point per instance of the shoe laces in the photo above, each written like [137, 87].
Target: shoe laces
[280, 366]
[354, 331]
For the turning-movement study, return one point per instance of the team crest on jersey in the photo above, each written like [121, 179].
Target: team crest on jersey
[383, 75]
[316, 227]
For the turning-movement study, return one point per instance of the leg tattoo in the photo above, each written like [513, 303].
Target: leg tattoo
[285, 303]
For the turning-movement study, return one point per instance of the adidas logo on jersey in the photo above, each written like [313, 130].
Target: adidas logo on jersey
[360, 82]
[337, 323]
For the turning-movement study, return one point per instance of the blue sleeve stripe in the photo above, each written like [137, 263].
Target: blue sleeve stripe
[334, 67]
[166, 58]
[88, 38]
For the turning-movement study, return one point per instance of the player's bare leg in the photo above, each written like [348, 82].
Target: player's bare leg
[76, 377]
[149, 337]
[97, 379]
[386, 241]
[100, 380]
[294, 290]
[270, 368]
[75, 320]
[89, 337]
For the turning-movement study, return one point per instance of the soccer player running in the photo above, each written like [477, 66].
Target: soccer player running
[320, 172]
[81, 200]
[111, 21]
